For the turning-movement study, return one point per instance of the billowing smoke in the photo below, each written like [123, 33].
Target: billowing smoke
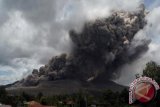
[100, 49]
[106, 44]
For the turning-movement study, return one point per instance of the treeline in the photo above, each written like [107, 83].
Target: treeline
[81, 99]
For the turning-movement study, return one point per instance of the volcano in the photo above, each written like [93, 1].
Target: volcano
[98, 52]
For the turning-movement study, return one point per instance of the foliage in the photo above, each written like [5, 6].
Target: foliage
[152, 70]
[81, 99]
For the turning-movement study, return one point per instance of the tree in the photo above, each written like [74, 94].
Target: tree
[110, 98]
[3, 95]
[39, 96]
[3, 92]
[43, 100]
[124, 96]
[152, 70]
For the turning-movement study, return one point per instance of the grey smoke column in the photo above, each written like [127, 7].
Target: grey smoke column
[104, 45]
[99, 50]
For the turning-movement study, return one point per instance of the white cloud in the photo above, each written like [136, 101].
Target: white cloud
[20, 68]
[32, 31]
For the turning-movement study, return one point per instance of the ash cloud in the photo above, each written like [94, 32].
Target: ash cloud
[105, 45]
[34, 31]
[99, 50]
[151, 31]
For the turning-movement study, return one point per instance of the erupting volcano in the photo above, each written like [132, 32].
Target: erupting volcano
[98, 51]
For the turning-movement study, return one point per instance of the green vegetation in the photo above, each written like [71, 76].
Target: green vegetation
[107, 98]
[152, 70]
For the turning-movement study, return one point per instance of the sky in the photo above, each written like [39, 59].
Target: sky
[33, 31]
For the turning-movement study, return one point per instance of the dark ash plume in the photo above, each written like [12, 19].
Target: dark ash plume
[106, 44]
[99, 50]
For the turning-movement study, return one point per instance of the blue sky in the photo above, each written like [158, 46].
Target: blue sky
[149, 2]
